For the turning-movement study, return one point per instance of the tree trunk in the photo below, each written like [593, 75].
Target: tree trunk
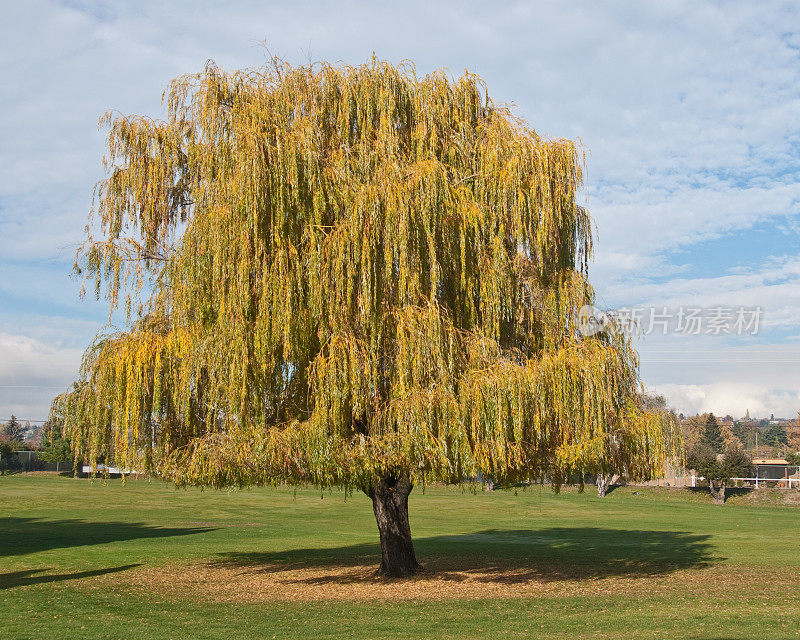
[603, 483]
[717, 489]
[390, 504]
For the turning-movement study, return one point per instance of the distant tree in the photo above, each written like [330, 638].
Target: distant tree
[6, 456]
[776, 436]
[54, 446]
[34, 436]
[746, 434]
[719, 469]
[14, 430]
[712, 435]
[793, 458]
[11, 435]
[653, 401]
[793, 431]
[691, 428]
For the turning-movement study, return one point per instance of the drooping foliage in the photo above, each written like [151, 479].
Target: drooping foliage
[622, 459]
[336, 273]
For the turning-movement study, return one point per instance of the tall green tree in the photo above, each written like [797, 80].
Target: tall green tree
[712, 435]
[776, 436]
[746, 433]
[13, 430]
[54, 446]
[8, 457]
[350, 276]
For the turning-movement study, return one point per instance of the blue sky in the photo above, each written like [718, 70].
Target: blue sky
[690, 112]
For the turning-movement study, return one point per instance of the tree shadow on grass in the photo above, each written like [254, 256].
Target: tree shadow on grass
[507, 556]
[729, 492]
[28, 577]
[19, 536]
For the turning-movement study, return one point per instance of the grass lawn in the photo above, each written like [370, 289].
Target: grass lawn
[146, 560]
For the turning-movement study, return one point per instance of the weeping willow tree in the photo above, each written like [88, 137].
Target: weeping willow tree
[353, 277]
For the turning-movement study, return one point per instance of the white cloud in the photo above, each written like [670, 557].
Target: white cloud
[677, 101]
[650, 221]
[733, 399]
[32, 373]
[773, 285]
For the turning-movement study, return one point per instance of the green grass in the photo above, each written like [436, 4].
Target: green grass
[675, 565]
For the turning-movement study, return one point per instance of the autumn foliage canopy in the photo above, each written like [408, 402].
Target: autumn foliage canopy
[336, 273]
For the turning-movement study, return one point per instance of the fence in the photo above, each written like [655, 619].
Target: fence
[789, 481]
[29, 461]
